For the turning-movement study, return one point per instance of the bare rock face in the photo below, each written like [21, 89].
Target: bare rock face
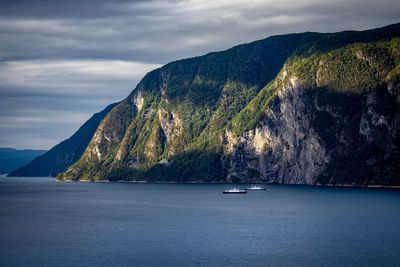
[304, 139]
[285, 148]
[297, 154]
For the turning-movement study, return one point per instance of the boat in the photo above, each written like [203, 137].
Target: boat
[256, 188]
[234, 190]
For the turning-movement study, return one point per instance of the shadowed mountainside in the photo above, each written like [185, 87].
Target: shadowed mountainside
[63, 155]
[11, 159]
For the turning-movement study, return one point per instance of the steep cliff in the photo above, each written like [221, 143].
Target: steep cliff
[300, 108]
[64, 154]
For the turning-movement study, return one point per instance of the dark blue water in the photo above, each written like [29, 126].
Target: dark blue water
[45, 223]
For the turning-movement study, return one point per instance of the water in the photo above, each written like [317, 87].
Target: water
[45, 223]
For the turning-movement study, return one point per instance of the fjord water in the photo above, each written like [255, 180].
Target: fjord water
[46, 223]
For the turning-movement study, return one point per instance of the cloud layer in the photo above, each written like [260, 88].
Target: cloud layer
[61, 61]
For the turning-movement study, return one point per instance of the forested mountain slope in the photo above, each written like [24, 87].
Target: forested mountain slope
[304, 108]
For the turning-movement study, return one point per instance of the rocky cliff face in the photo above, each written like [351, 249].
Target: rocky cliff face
[357, 143]
[300, 109]
[284, 147]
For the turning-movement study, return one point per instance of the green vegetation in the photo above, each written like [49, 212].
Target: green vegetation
[235, 97]
[248, 118]
[189, 105]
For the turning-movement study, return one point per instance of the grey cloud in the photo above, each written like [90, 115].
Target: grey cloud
[53, 52]
[161, 31]
[55, 97]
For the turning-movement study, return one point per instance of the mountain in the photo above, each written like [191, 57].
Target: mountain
[11, 159]
[309, 108]
[63, 155]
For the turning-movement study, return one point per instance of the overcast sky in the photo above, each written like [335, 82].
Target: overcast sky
[61, 61]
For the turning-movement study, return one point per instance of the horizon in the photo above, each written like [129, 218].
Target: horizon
[63, 62]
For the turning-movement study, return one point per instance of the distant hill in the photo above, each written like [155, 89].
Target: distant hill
[11, 159]
[63, 155]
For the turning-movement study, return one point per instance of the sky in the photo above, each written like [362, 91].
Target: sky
[61, 61]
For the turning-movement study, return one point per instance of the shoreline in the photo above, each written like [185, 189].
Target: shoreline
[391, 187]
[388, 187]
